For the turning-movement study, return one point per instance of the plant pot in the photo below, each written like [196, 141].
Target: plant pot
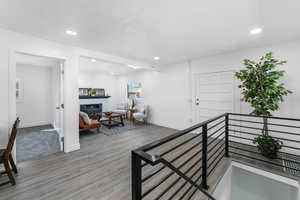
[267, 151]
[268, 146]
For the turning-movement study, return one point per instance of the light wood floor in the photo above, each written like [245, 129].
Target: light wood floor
[99, 170]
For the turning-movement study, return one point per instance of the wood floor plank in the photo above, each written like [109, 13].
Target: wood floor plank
[99, 170]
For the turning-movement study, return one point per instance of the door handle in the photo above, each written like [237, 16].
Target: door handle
[57, 108]
[197, 102]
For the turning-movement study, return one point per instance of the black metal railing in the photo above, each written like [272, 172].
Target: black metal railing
[243, 128]
[179, 165]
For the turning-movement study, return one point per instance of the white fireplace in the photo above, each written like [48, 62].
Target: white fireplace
[95, 100]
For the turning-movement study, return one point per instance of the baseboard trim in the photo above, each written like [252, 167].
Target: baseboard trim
[70, 148]
[32, 124]
[162, 125]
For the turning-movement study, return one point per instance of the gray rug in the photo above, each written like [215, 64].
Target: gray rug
[35, 142]
[115, 130]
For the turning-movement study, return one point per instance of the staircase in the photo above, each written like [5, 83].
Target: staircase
[188, 164]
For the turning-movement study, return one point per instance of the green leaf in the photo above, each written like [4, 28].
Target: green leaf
[260, 86]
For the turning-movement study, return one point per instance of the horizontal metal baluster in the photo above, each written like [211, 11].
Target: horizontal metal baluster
[270, 130]
[271, 163]
[223, 133]
[222, 149]
[255, 152]
[178, 179]
[272, 124]
[213, 147]
[216, 164]
[213, 126]
[255, 134]
[173, 160]
[215, 132]
[176, 147]
[169, 175]
[186, 182]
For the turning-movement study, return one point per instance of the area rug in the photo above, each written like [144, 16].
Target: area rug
[121, 129]
[35, 142]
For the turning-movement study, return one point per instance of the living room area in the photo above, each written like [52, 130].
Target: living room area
[153, 98]
[109, 105]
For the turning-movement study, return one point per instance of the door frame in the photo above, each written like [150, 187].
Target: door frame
[12, 103]
[193, 93]
[59, 102]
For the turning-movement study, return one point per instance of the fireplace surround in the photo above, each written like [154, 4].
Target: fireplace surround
[93, 110]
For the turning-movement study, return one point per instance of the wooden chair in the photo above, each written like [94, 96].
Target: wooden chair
[84, 127]
[5, 154]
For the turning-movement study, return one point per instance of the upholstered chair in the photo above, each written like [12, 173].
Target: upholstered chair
[140, 113]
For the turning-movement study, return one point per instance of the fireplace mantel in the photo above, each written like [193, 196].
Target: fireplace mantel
[94, 97]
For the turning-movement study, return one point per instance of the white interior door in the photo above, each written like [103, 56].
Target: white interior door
[213, 94]
[59, 101]
[61, 113]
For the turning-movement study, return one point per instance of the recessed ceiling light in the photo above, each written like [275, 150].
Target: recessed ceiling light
[156, 58]
[256, 31]
[93, 60]
[113, 73]
[71, 32]
[132, 66]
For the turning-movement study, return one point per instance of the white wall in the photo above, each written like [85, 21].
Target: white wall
[287, 51]
[168, 91]
[36, 107]
[101, 80]
[12, 42]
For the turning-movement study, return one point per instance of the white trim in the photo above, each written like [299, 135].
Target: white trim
[74, 147]
[12, 88]
[32, 124]
[12, 102]
[264, 173]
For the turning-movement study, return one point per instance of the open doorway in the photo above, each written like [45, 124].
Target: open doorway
[39, 105]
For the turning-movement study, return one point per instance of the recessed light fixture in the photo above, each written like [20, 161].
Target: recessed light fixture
[156, 58]
[132, 66]
[113, 73]
[256, 31]
[71, 32]
[93, 60]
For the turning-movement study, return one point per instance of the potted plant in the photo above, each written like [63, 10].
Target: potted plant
[261, 88]
[89, 91]
[94, 92]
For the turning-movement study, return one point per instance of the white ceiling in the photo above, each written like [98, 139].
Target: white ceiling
[37, 60]
[105, 67]
[174, 30]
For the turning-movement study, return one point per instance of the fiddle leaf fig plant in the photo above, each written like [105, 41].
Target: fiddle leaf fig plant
[261, 88]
